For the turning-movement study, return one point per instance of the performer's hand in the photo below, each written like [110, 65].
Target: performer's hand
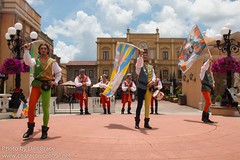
[52, 83]
[26, 46]
[84, 84]
[141, 51]
[150, 83]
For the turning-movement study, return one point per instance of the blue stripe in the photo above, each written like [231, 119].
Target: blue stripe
[127, 60]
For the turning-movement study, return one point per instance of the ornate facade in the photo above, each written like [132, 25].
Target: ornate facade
[163, 54]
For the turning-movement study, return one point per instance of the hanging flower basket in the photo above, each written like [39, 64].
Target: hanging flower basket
[222, 65]
[26, 68]
[12, 66]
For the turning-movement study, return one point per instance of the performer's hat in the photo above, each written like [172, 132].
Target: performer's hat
[129, 74]
[82, 70]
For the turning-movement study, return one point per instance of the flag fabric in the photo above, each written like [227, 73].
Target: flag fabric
[22, 110]
[25, 110]
[124, 54]
[191, 49]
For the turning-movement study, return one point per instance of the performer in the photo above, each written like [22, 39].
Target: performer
[44, 79]
[128, 86]
[103, 99]
[157, 86]
[146, 80]
[207, 81]
[82, 82]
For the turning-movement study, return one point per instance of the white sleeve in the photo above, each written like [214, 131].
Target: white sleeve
[133, 88]
[139, 64]
[154, 76]
[101, 85]
[77, 84]
[204, 68]
[159, 85]
[124, 88]
[57, 71]
[27, 59]
[88, 83]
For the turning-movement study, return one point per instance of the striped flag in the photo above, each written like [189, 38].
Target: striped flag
[191, 49]
[124, 54]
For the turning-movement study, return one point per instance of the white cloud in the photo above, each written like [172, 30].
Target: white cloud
[82, 32]
[66, 52]
[113, 16]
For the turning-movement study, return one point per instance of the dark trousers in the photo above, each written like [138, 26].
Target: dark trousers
[140, 94]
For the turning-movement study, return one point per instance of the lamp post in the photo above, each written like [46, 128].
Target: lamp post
[227, 46]
[15, 40]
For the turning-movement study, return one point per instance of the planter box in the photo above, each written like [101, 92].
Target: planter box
[224, 111]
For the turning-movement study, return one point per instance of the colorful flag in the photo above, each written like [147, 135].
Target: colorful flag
[124, 54]
[191, 49]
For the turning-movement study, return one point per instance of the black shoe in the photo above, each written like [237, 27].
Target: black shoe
[109, 112]
[156, 113]
[81, 111]
[86, 111]
[137, 121]
[205, 117]
[129, 110]
[30, 130]
[151, 111]
[44, 132]
[146, 123]
[122, 111]
[104, 111]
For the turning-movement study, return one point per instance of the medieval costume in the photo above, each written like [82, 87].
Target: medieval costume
[103, 99]
[128, 87]
[82, 82]
[207, 81]
[157, 86]
[46, 74]
[145, 81]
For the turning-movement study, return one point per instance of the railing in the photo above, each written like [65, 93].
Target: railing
[94, 106]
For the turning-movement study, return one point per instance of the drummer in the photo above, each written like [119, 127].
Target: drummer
[157, 86]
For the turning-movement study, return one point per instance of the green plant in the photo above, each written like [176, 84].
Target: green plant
[218, 98]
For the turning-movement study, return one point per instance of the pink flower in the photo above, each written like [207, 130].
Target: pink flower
[12, 66]
[222, 65]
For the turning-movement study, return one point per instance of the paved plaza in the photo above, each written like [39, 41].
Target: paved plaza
[177, 134]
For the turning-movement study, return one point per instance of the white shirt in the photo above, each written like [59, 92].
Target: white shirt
[159, 86]
[204, 68]
[133, 88]
[32, 62]
[79, 84]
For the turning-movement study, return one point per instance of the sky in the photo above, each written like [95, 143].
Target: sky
[75, 25]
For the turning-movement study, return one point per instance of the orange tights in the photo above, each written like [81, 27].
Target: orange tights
[208, 102]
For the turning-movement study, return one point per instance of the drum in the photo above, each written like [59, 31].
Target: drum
[158, 95]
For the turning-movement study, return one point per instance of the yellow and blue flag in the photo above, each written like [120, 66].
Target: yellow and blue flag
[124, 54]
[191, 49]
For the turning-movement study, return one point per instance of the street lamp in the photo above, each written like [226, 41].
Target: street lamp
[227, 46]
[15, 40]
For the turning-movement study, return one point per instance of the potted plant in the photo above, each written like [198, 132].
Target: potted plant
[218, 100]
